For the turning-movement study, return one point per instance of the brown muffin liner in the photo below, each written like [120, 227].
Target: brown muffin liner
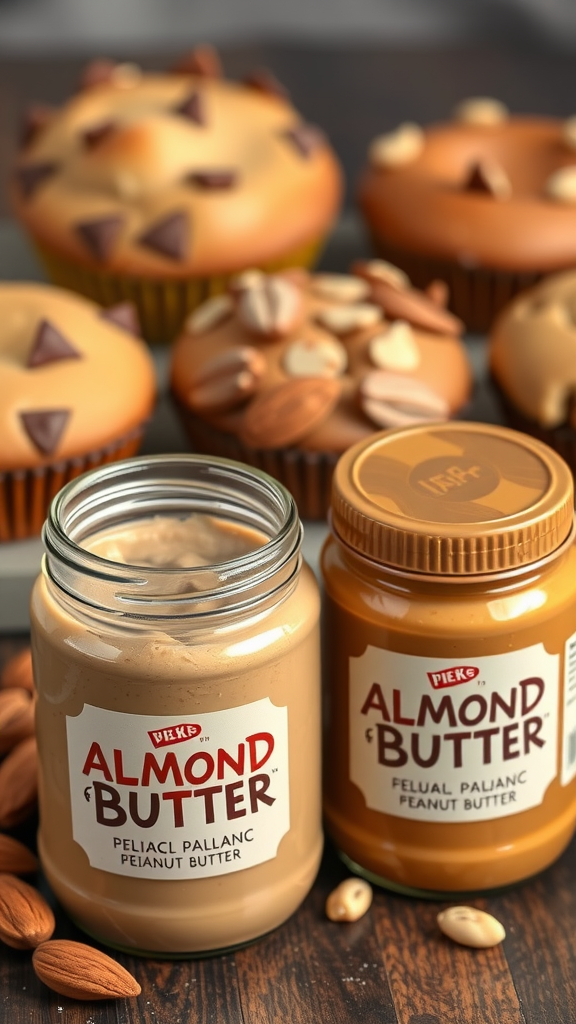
[25, 495]
[307, 475]
[162, 305]
[477, 294]
[562, 439]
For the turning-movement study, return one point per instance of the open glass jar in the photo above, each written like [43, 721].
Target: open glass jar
[176, 657]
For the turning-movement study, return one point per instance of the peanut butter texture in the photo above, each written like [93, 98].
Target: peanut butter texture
[169, 668]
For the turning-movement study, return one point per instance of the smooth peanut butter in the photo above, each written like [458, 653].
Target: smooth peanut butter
[179, 791]
[450, 658]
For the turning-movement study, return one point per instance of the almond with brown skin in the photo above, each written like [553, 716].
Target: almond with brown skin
[18, 671]
[286, 413]
[226, 380]
[415, 307]
[26, 920]
[16, 717]
[79, 971]
[15, 858]
[18, 783]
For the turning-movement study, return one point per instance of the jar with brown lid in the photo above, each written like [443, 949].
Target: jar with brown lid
[450, 658]
[176, 652]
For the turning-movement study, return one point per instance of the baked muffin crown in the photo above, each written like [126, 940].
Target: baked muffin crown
[175, 174]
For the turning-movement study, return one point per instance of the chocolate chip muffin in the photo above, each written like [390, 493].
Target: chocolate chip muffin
[156, 188]
[76, 389]
[286, 371]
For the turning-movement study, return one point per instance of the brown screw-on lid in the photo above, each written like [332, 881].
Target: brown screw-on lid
[452, 498]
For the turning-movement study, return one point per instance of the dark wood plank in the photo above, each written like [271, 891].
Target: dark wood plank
[436, 981]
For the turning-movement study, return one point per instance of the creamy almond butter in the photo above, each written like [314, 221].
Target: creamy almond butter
[176, 651]
[450, 658]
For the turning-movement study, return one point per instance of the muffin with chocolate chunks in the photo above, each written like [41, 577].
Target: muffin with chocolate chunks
[76, 390]
[157, 187]
[286, 371]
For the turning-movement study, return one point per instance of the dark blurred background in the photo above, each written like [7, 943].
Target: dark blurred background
[356, 67]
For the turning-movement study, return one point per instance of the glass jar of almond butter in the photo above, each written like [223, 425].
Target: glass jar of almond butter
[176, 654]
[450, 658]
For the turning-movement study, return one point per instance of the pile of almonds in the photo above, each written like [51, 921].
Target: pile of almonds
[27, 922]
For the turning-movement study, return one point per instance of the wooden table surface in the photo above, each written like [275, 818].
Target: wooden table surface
[393, 966]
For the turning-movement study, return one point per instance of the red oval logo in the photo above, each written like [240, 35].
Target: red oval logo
[453, 676]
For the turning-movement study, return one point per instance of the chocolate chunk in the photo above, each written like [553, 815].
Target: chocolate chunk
[264, 81]
[202, 61]
[35, 120]
[168, 236]
[306, 137]
[45, 427]
[100, 235]
[97, 72]
[489, 178]
[212, 179]
[31, 176]
[50, 346]
[93, 136]
[124, 315]
[193, 108]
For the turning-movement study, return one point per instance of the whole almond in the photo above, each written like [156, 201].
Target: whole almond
[79, 971]
[18, 671]
[226, 380]
[415, 307]
[15, 858]
[471, 927]
[18, 783]
[289, 411]
[16, 717]
[381, 270]
[25, 917]
[272, 308]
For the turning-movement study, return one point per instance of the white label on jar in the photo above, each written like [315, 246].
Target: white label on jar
[447, 740]
[179, 797]
[569, 730]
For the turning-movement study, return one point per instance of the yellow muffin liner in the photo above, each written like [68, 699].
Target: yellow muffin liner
[25, 495]
[477, 294]
[307, 475]
[162, 305]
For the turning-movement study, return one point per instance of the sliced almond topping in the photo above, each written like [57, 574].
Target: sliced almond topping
[273, 308]
[210, 314]
[345, 319]
[396, 148]
[390, 400]
[481, 110]
[486, 176]
[561, 186]
[381, 270]
[396, 349]
[247, 279]
[226, 380]
[340, 287]
[415, 307]
[569, 132]
[288, 412]
[315, 357]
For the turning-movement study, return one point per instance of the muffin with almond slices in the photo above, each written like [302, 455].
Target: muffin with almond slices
[286, 371]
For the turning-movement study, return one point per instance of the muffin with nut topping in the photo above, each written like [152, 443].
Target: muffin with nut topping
[157, 188]
[77, 387]
[485, 203]
[532, 358]
[285, 371]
